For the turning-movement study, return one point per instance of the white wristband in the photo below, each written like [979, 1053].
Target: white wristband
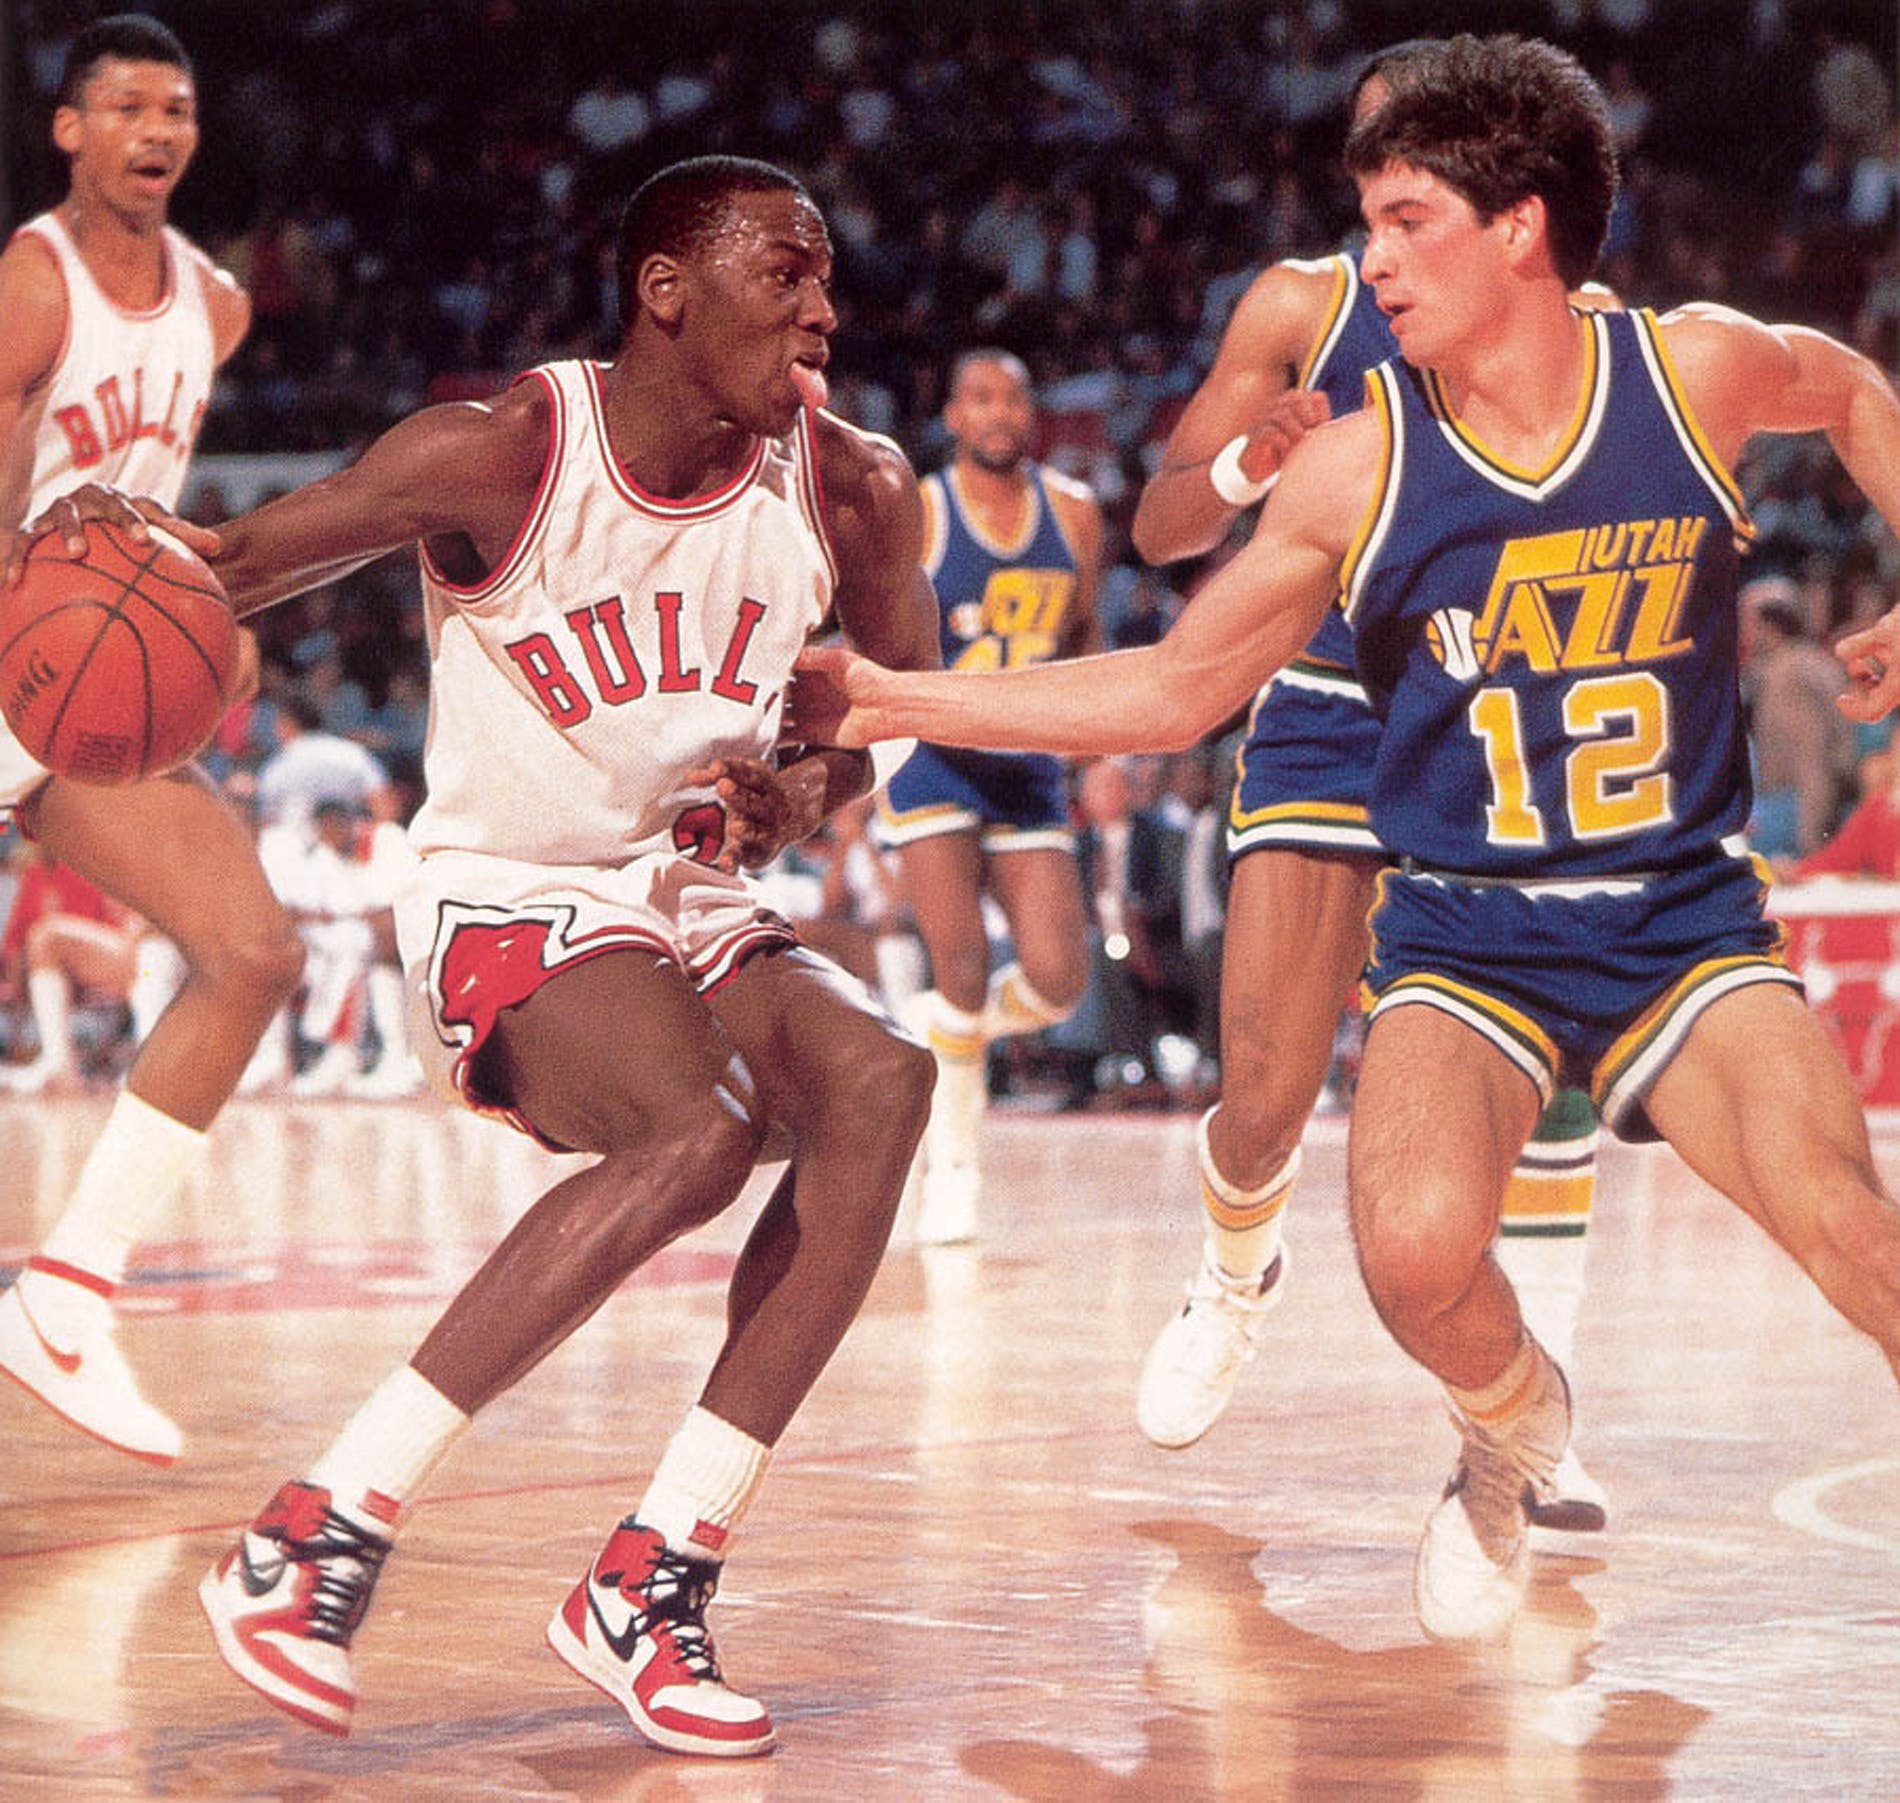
[1230, 482]
[886, 756]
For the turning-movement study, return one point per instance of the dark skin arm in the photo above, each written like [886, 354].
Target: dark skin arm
[874, 514]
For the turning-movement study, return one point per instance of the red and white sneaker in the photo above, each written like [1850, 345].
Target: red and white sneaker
[285, 1600]
[636, 1627]
[56, 1341]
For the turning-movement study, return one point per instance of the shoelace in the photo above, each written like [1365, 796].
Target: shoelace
[348, 1562]
[1244, 1294]
[675, 1593]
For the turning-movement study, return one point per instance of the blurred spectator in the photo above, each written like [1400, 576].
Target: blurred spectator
[1803, 748]
[313, 766]
[1868, 843]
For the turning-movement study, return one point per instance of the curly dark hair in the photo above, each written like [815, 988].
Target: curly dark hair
[135, 37]
[1498, 119]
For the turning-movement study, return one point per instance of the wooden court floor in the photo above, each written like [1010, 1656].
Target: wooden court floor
[968, 1575]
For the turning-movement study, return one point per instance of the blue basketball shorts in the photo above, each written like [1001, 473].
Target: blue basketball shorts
[1589, 983]
[1014, 801]
[1305, 769]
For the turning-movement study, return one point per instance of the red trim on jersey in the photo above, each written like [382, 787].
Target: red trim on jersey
[699, 507]
[811, 492]
[538, 508]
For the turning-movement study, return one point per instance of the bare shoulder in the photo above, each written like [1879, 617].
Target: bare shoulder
[865, 476]
[33, 303]
[228, 305]
[1284, 305]
[1330, 480]
[1073, 503]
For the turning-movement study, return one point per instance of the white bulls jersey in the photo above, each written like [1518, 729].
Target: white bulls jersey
[129, 391]
[625, 641]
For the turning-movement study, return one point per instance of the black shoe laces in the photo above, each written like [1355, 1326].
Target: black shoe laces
[674, 1595]
[348, 1561]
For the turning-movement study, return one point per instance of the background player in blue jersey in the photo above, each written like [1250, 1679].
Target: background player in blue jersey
[1014, 550]
[1533, 532]
[1304, 862]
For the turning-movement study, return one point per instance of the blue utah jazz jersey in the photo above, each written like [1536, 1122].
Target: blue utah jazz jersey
[1355, 339]
[1000, 605]
[1553, 651]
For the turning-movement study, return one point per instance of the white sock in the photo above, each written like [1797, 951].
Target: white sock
[1543, 1220]
[156, 978]
[1243, 1225]
[388, 1013]
[135, 1168]
[391, 1445]
[706, 1480]
[49, 996]
[1013, 1007]
[956, 1109]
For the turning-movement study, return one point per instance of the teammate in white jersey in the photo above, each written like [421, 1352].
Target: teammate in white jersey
[620, 564]
[115, 325]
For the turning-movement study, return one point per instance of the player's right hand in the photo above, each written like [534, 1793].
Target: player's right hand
[1289, 416]
[134, 514]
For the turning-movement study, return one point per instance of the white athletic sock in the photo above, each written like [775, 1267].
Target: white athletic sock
[1498, 1406]
[1013, 1007]
[1243, 1225]
[388, 1013]
[389, 1448]
[1542, 1223]
[706, 1480]
[956, 1109]
[135, 1168]
[50, 997]
[157, 976]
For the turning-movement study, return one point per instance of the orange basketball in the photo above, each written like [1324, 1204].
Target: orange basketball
[119, 664]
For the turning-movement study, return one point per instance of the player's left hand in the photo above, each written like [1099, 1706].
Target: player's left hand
[135, 515]
[766, 809]
[1872, 657]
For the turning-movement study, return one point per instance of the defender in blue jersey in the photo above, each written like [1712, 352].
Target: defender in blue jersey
[1532, 532]
[1304, 860]
[1013, 549]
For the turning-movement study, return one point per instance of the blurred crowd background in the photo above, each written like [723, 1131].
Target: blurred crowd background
[421, 201]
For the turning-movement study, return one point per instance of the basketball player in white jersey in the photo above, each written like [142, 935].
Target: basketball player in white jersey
[620, 563]
[115, 325]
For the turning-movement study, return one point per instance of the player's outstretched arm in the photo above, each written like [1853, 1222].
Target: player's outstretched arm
[1250, 619]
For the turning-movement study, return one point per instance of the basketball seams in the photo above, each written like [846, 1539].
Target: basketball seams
[122, 681]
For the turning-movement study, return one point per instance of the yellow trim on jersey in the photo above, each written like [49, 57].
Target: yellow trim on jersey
[1371, 530]
[1675, 402]
[1338, 305]
[936, 525]
[1007, 549]
[1589, 407]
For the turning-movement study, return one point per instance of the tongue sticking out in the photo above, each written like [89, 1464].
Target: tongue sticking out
[813, 389]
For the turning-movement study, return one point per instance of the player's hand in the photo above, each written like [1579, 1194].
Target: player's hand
[1872, 657]
[826, 701]
[766, 809]
[135, 515]
[1288, 419]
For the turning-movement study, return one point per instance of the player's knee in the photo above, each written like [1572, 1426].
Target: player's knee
[879, 1095]
[1414, 1268]
[262, 959]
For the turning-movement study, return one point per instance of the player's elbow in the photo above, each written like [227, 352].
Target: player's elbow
[1161, 541]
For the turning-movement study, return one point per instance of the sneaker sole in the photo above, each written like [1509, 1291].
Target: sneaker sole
[604, 1674]
[246, 1669]
[1566, 1515]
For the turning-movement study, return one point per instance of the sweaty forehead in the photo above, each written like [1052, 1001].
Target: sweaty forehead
[114, 75]
[771, 218]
